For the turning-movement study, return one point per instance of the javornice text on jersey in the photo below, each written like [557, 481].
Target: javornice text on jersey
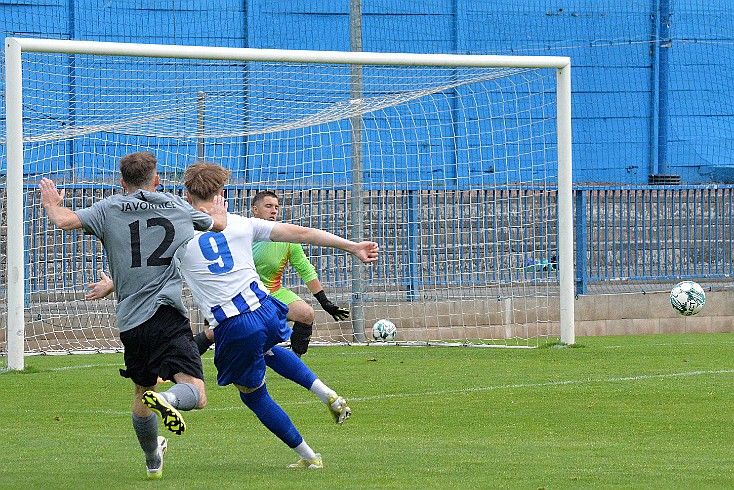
[143, 205]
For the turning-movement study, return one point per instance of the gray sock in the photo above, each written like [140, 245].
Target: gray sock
[183, 396]
[146, 428]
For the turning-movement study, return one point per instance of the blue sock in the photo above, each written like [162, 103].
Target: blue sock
[290, 366]
[272, 416]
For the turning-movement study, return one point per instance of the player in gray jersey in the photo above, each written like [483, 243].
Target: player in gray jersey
[140, 231]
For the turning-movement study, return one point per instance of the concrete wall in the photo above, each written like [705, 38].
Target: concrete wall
[651, 313]
[613, 314]
[620, 314]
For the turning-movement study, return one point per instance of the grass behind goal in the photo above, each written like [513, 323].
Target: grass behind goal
[615, 412]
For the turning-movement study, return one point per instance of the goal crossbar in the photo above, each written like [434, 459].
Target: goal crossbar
[277, 55]
[14, 47]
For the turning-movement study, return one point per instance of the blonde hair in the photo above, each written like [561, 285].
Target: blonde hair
[204, 180]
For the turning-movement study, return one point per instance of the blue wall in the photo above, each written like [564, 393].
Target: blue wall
[615, 47]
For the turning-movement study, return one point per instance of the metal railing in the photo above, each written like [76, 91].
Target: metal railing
[626, 238]
[651, 234]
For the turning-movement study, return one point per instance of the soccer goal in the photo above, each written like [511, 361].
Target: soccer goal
[459, 167]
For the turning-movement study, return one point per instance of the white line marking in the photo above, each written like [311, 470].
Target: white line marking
[424, 393]
[548, 384]
[84, 366]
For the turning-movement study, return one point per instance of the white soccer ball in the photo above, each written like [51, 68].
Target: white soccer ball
[384, 330]
[687, 298]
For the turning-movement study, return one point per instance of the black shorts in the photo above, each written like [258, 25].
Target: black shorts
[161, 346]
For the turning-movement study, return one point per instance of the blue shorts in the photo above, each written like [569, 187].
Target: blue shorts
[242, 340]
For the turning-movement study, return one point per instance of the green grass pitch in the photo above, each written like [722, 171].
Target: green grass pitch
[613, 412]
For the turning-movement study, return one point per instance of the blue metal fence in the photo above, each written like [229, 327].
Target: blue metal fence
[627, 238]
[652, 234]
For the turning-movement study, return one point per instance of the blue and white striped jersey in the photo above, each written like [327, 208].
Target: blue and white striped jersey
[220, 271]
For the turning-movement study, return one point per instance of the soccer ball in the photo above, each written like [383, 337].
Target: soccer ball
[687, 298]
[384, 330]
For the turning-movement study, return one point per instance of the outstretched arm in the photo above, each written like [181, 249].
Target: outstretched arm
[365, 251]
[53, 202]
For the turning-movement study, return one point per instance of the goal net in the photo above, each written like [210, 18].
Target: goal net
[450, 163]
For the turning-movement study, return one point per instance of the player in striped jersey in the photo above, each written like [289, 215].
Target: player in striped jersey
[271, 259]
[247, 321]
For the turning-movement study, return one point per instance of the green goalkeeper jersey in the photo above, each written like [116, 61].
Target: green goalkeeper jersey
[271, 259]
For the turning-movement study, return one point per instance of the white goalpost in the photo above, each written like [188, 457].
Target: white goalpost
[459, 166]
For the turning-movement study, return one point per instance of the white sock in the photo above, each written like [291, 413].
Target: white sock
[305, 451]
[322, 391]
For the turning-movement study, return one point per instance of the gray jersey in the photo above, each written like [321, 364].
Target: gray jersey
[140, 233]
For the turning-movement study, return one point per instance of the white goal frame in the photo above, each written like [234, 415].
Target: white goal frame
[14, 47]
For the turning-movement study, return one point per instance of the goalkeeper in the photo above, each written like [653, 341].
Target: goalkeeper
[271, 259]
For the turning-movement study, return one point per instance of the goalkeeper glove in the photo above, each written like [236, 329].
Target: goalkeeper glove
[335, 311]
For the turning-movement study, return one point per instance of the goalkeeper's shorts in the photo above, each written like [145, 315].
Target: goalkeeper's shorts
[285, 296]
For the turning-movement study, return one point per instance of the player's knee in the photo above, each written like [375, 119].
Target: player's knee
[307, 316]
[202, 401]
[300, 311]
